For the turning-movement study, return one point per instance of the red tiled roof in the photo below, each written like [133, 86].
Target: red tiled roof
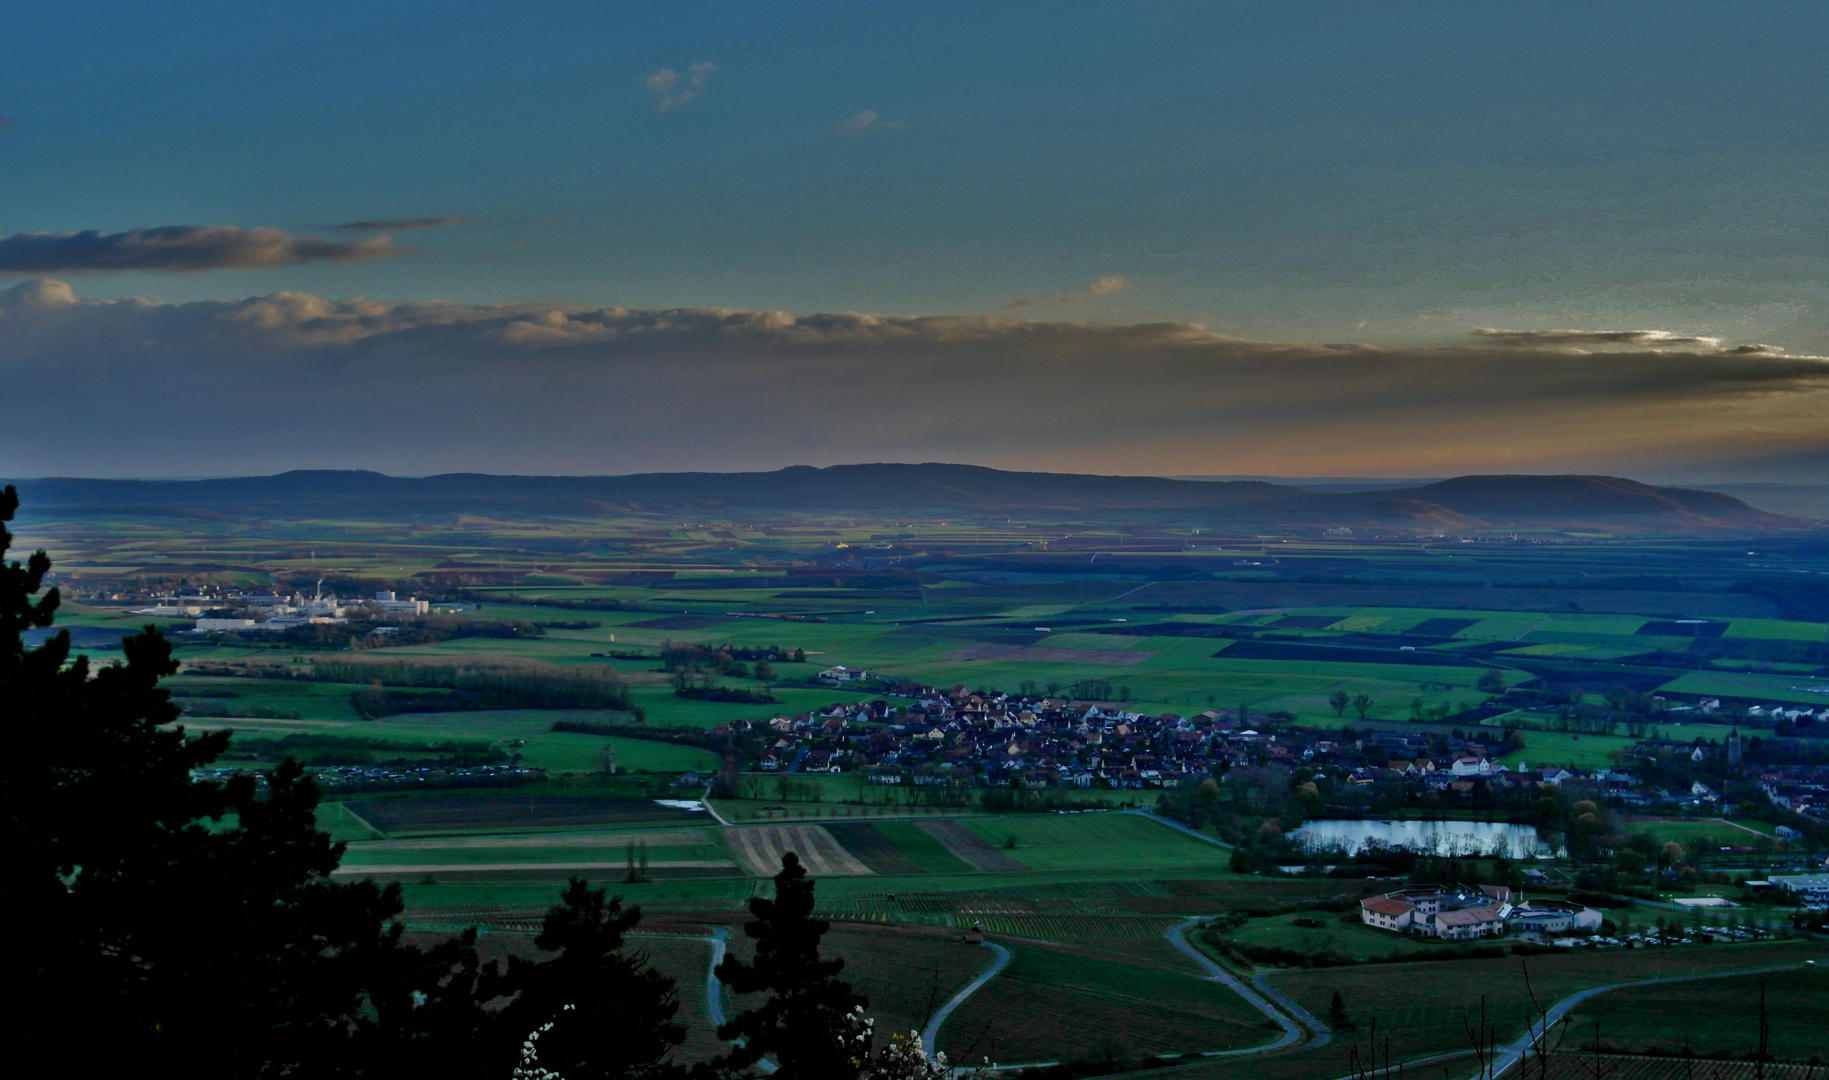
[1385, 906]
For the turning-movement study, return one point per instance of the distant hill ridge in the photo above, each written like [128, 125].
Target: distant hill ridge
[912, 490]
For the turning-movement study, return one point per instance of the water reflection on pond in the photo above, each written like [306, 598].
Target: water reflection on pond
[1441, 838]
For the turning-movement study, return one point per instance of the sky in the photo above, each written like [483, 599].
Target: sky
[1204, 238]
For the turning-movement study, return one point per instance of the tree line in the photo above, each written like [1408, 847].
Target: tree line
[402, 687]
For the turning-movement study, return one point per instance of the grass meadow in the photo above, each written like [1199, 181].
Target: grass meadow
[1056, 1005]
[1097, 842]
[1714, 1018]
[1426, 1007]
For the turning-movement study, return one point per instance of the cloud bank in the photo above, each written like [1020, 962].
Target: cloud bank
[290, 380]
[671, 90]
[179, 248]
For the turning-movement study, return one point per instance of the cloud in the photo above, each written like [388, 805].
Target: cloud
[182, 248]
[867, 123]
[672, 91]
[1104, 286]
[400, 224]
[1655, 338]
[295, 380]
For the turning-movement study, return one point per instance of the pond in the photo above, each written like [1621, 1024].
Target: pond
[1442, 838]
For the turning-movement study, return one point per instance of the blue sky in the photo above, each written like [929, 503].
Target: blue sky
[1391, 174]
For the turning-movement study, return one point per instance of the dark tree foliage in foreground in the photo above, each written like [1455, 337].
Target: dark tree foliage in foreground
[620, 1021]
[803, 1023]
[171, 925]
[175, 923]
[168, 925]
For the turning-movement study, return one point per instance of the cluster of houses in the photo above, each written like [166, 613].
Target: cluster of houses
[1459, 914]
[959, 738]
[996, 740]
[1800, 789]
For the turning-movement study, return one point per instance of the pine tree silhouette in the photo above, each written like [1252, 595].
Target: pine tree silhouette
[803, 1021]
[620, 1021]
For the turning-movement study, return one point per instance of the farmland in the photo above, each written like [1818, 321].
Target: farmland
[1425, 1007]
[1107, 842]
[1054, 1005]
[1277, 633]
[1717, 1018]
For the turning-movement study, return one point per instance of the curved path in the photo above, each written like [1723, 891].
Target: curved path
[1285, 1012]
[1292, 1032]
[1514, 1051]
[1323, 1033]
[930, 1035]
[714, 988]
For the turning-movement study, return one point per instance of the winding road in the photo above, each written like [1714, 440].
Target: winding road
[714, 989]
[1293, 1018]
[1514, 1051]
[930, 1035]
[1292, 1031]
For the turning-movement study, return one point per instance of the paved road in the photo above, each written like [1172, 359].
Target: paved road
[1323, 1034]
[705, 801]
[714, 989]
[930, 1035]
[1515, 1051]
[1291, 1031]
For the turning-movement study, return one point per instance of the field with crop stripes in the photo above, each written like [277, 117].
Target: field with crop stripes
[871, 847]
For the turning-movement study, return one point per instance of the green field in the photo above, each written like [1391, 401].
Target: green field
[1779, 629]
[561, 852]
[1567, 749]
[1097, 842]
[527, 732]
[1426, 1007]
[1704, 832]
[1801, 689]
[1713, 1018]
[1050, 1005]
[921, 849]
[1343, 934]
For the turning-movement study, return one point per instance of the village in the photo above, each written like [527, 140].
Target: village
[979, 739]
